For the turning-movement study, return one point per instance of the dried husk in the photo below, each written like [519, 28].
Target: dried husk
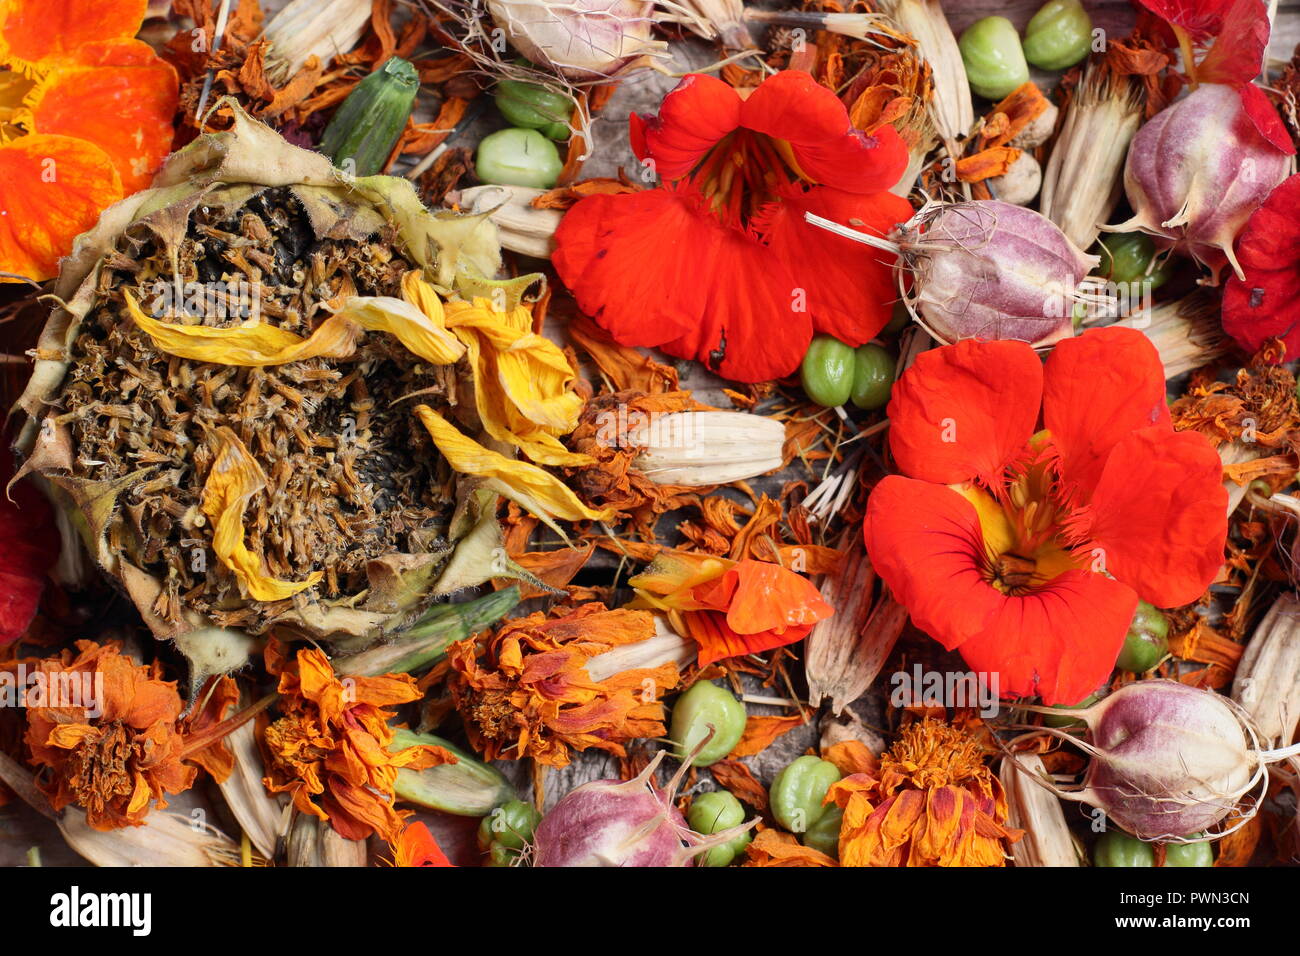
[522, 227]
[1037, 811]
[218, 173]
[1186, 332]
[1083, 179]
[845, 652]
[164, 839]
[259, 812]
[954, 112]
[313, 842]
[695, 449]
[1267, 682]
[307, 28]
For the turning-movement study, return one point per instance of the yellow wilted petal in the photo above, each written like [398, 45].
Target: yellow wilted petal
[536, 490]
[417, 324]
[234, 479]
[251, 344]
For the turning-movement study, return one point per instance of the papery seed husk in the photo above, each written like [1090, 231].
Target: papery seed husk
[1267, 682]
[707, 448]
[1047, 840]
[164, 839]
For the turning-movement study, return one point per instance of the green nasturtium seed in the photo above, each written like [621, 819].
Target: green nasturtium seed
[1189, 854]
[1117, 848]
[505, 831]
[873, 377]
[705, 704]
[1126, 257]
[715, 811]
[824, 835]
[797, 793]
[533, 106]
[827, 371]
[1147, 641]
[518, 157]
[995, 64]
[1058, 36]
[1063, 721]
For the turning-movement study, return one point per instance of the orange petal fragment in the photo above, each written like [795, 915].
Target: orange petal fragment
[122, 100]
[54, 190]
[35, 30]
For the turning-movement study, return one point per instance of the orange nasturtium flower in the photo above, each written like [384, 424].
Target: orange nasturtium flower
[85, 119]
[110, 740]
[330, 748]
[417, 847]
[527, 690]
[730, 608]
[933, 803]
[1037, 504]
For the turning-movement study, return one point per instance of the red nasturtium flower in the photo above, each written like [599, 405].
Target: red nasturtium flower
[730, 608]
[85, 119]
[1025, 544]
[1263, 304]
[417, 847]
[718, 264]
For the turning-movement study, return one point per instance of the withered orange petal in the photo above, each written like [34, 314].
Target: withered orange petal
[769, 597]
[35, 30]
[124, 104]
[55, 188]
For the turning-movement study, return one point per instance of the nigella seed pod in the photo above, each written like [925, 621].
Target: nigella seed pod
[985, 269]
[1196, 171]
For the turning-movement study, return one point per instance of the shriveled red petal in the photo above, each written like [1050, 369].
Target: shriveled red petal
[1059, 641]
[793, 107]
[963, 411]
[33, 30]
[119, 96]
[653, 270]
[1262, 306]
[54, 190]
[1240, 42]
[925, 542]
[699, 111]
[1159, 515]
[29, 546]
[417, 847]
[849, 286]
[717, 641]
[1200, 18]
[1099, 388]
[1263, 115]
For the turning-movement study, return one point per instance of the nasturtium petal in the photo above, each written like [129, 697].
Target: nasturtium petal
[118, 95]
[537, 491]
[964, 411]
[234, 479]
[54, 190]
[35, 30]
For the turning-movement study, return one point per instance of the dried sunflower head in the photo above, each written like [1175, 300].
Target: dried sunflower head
[225, 394]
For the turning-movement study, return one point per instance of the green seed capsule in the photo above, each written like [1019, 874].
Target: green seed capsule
[1147, 641]
[1189, 854]
[706, 704]
[1127, 257]
[995, 64]
[1117, 848]
[518, 157]
[715, 811]
[364, 130]
[797, 793]
[873, 377]
[532, 106]
[827, 371]
[824, 835]
[1059, 35]
[1051, 720]
[510, 825]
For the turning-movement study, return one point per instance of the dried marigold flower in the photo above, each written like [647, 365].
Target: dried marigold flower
[528, 691]
[933, 803]
[110, 741]
[330, 748]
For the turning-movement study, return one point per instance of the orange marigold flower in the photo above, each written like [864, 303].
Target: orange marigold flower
[111, 744]
[526, 691]
[933, 803]
[85, 119]
[330, 748]
[417, 847]
[730, 608]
